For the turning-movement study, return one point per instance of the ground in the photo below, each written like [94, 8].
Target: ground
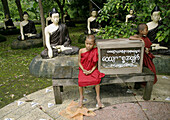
[15, 79]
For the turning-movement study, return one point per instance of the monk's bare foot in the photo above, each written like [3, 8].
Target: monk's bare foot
[99, 104]
[81, 102]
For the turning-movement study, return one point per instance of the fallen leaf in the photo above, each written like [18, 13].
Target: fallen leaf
[28, 100]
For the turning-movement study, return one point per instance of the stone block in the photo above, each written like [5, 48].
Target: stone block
[162, 64]
[75, 72]
[62, 72]
[46, 67]
[35, 67]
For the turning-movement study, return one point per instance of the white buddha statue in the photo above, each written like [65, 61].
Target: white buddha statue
[57, 39]
[130, 16]
[92, 24]
[27, 29]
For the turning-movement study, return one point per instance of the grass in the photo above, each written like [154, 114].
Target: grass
[15, 79]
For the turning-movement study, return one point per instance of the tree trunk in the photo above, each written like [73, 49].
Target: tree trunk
[62, 14]
[61, 8]
[42, 20]
[5, 6]
[90, 7]
[19, 9]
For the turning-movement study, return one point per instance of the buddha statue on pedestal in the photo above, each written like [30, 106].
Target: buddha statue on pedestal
[153, 29]
[27, 29]
[92, 24]
[57, 39]
[8, 23]
[130, 17]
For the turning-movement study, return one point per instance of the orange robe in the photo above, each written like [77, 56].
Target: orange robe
[147, 59]
[88, 60]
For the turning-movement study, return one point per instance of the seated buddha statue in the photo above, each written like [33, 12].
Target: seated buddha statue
[8, 23]
[92, 24]
[48, 19]
[130, 16]
[153, 29]
[27, 29]
[57, 39]
[66, 17]
[154, 24]
[67, 20]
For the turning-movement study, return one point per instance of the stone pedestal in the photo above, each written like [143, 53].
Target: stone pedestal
[25, 44]
[59, 66]
[162, 64]
[10, 31]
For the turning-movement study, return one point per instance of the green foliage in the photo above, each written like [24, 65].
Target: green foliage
[115, 11]
[34, 8]
[163, 34]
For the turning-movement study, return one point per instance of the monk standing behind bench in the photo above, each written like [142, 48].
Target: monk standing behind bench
[148, 56]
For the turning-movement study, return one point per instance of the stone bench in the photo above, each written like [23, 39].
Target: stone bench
[68, 76]
[64, 71]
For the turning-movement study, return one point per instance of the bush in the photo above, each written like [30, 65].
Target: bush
[115, 11]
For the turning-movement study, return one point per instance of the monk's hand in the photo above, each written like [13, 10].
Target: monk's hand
[90, 71]
[147, 50]
[85, 72]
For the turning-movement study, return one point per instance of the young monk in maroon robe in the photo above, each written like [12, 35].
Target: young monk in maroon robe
[88, 71]
[148, 56]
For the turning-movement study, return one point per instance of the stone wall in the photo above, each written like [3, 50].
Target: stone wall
[162, 64]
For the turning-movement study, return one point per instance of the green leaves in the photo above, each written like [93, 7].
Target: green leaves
[163, 35]
[115, 11]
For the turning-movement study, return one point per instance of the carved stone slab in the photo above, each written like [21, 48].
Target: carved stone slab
[120, 56]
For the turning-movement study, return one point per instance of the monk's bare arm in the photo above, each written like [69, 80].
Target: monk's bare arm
[79, 59]
[135, 37]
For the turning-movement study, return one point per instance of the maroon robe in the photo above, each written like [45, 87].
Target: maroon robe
[147, 59]
[88, 60]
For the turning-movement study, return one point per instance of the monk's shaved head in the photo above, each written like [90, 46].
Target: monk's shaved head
[91, 37]
[141, 27]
